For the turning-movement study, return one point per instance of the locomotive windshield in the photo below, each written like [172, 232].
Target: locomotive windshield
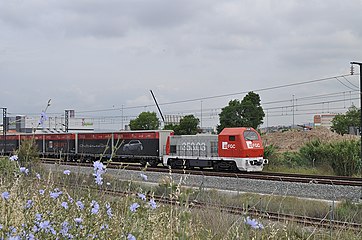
[250, 135]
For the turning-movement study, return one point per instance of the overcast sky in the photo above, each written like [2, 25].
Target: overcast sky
[107, 54]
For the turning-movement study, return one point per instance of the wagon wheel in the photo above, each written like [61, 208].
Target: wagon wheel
[154, 162]
[143, 162]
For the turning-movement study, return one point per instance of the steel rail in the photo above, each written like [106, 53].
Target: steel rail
[268, 176]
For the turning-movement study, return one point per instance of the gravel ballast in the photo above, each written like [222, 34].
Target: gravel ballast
[310, 190]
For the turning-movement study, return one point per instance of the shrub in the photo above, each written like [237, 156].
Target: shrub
[28, 154]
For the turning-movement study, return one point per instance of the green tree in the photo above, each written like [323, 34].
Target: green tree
[145, 121]
[245, 113]
[342, 122]
[188, 126]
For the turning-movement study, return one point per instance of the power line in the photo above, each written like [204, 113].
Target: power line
[222, 95]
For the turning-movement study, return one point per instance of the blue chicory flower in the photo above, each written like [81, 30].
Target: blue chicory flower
[98, 166]
[41, 192]
[43, 117]
[44, 224]
[29, 204]
[38, 216]
[14, 158]
[134, 207]
[104, 226]
[55, 194]
[109, 210]
[5, 195]
[131, 237]
[98, 178]
[144, 177]
[78, 220]
[95, 207]
[14, 238]
[24, 170]
[66, 172]
[65, 229]
[38, 176]
[80, 205]
[153, 204]
[142, 196]
[99, 169]
[64, 205]
[254, 223]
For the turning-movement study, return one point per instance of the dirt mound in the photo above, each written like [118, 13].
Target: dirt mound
[292, 140]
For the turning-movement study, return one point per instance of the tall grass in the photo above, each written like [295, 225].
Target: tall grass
[340, 158]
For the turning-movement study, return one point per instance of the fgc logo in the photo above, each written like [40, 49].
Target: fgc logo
[226, 145]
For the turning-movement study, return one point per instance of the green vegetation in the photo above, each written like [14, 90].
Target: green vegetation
[38, 206]
[245, 113]
[145, 121]
[339, 158]
[188, 126]
[342, 122]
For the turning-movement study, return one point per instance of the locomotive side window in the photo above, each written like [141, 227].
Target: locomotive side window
[172, 148]
[250, 135]
[231, 138]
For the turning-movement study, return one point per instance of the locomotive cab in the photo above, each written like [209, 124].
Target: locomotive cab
[242, 143]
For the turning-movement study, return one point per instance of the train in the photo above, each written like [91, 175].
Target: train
[232, 150]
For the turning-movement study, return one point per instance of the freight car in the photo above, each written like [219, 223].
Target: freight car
[232, 149]
[130, 146]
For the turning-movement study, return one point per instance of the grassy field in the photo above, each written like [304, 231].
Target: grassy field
[36, 204]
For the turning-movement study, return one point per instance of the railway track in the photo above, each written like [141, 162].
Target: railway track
[268, 176]
[326, 222]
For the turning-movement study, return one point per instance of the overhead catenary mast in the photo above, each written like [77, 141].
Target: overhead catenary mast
[158, 107]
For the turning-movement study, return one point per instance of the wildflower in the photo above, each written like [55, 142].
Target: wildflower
[131, 237]
[55, 194]
[65, 205]
[144, 177]
[1, 226]
[142, 196]
[153, 204]
[37, 176]
[109, 210]
[80, 205]
[5, 195]
[78, 220]
[104, 226]
[14, 158]
[35, 229]
[98, 179]
[65, 229]
[66, 172]
[44, 224]
[95, 207]
[29, 204]
[98, 171]
[43, 117]
[253, 223]
[14, 238]
[98, 166]
[24, 170]
[41, 192]
[108, 184]
[38, 216]
[134, 207]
